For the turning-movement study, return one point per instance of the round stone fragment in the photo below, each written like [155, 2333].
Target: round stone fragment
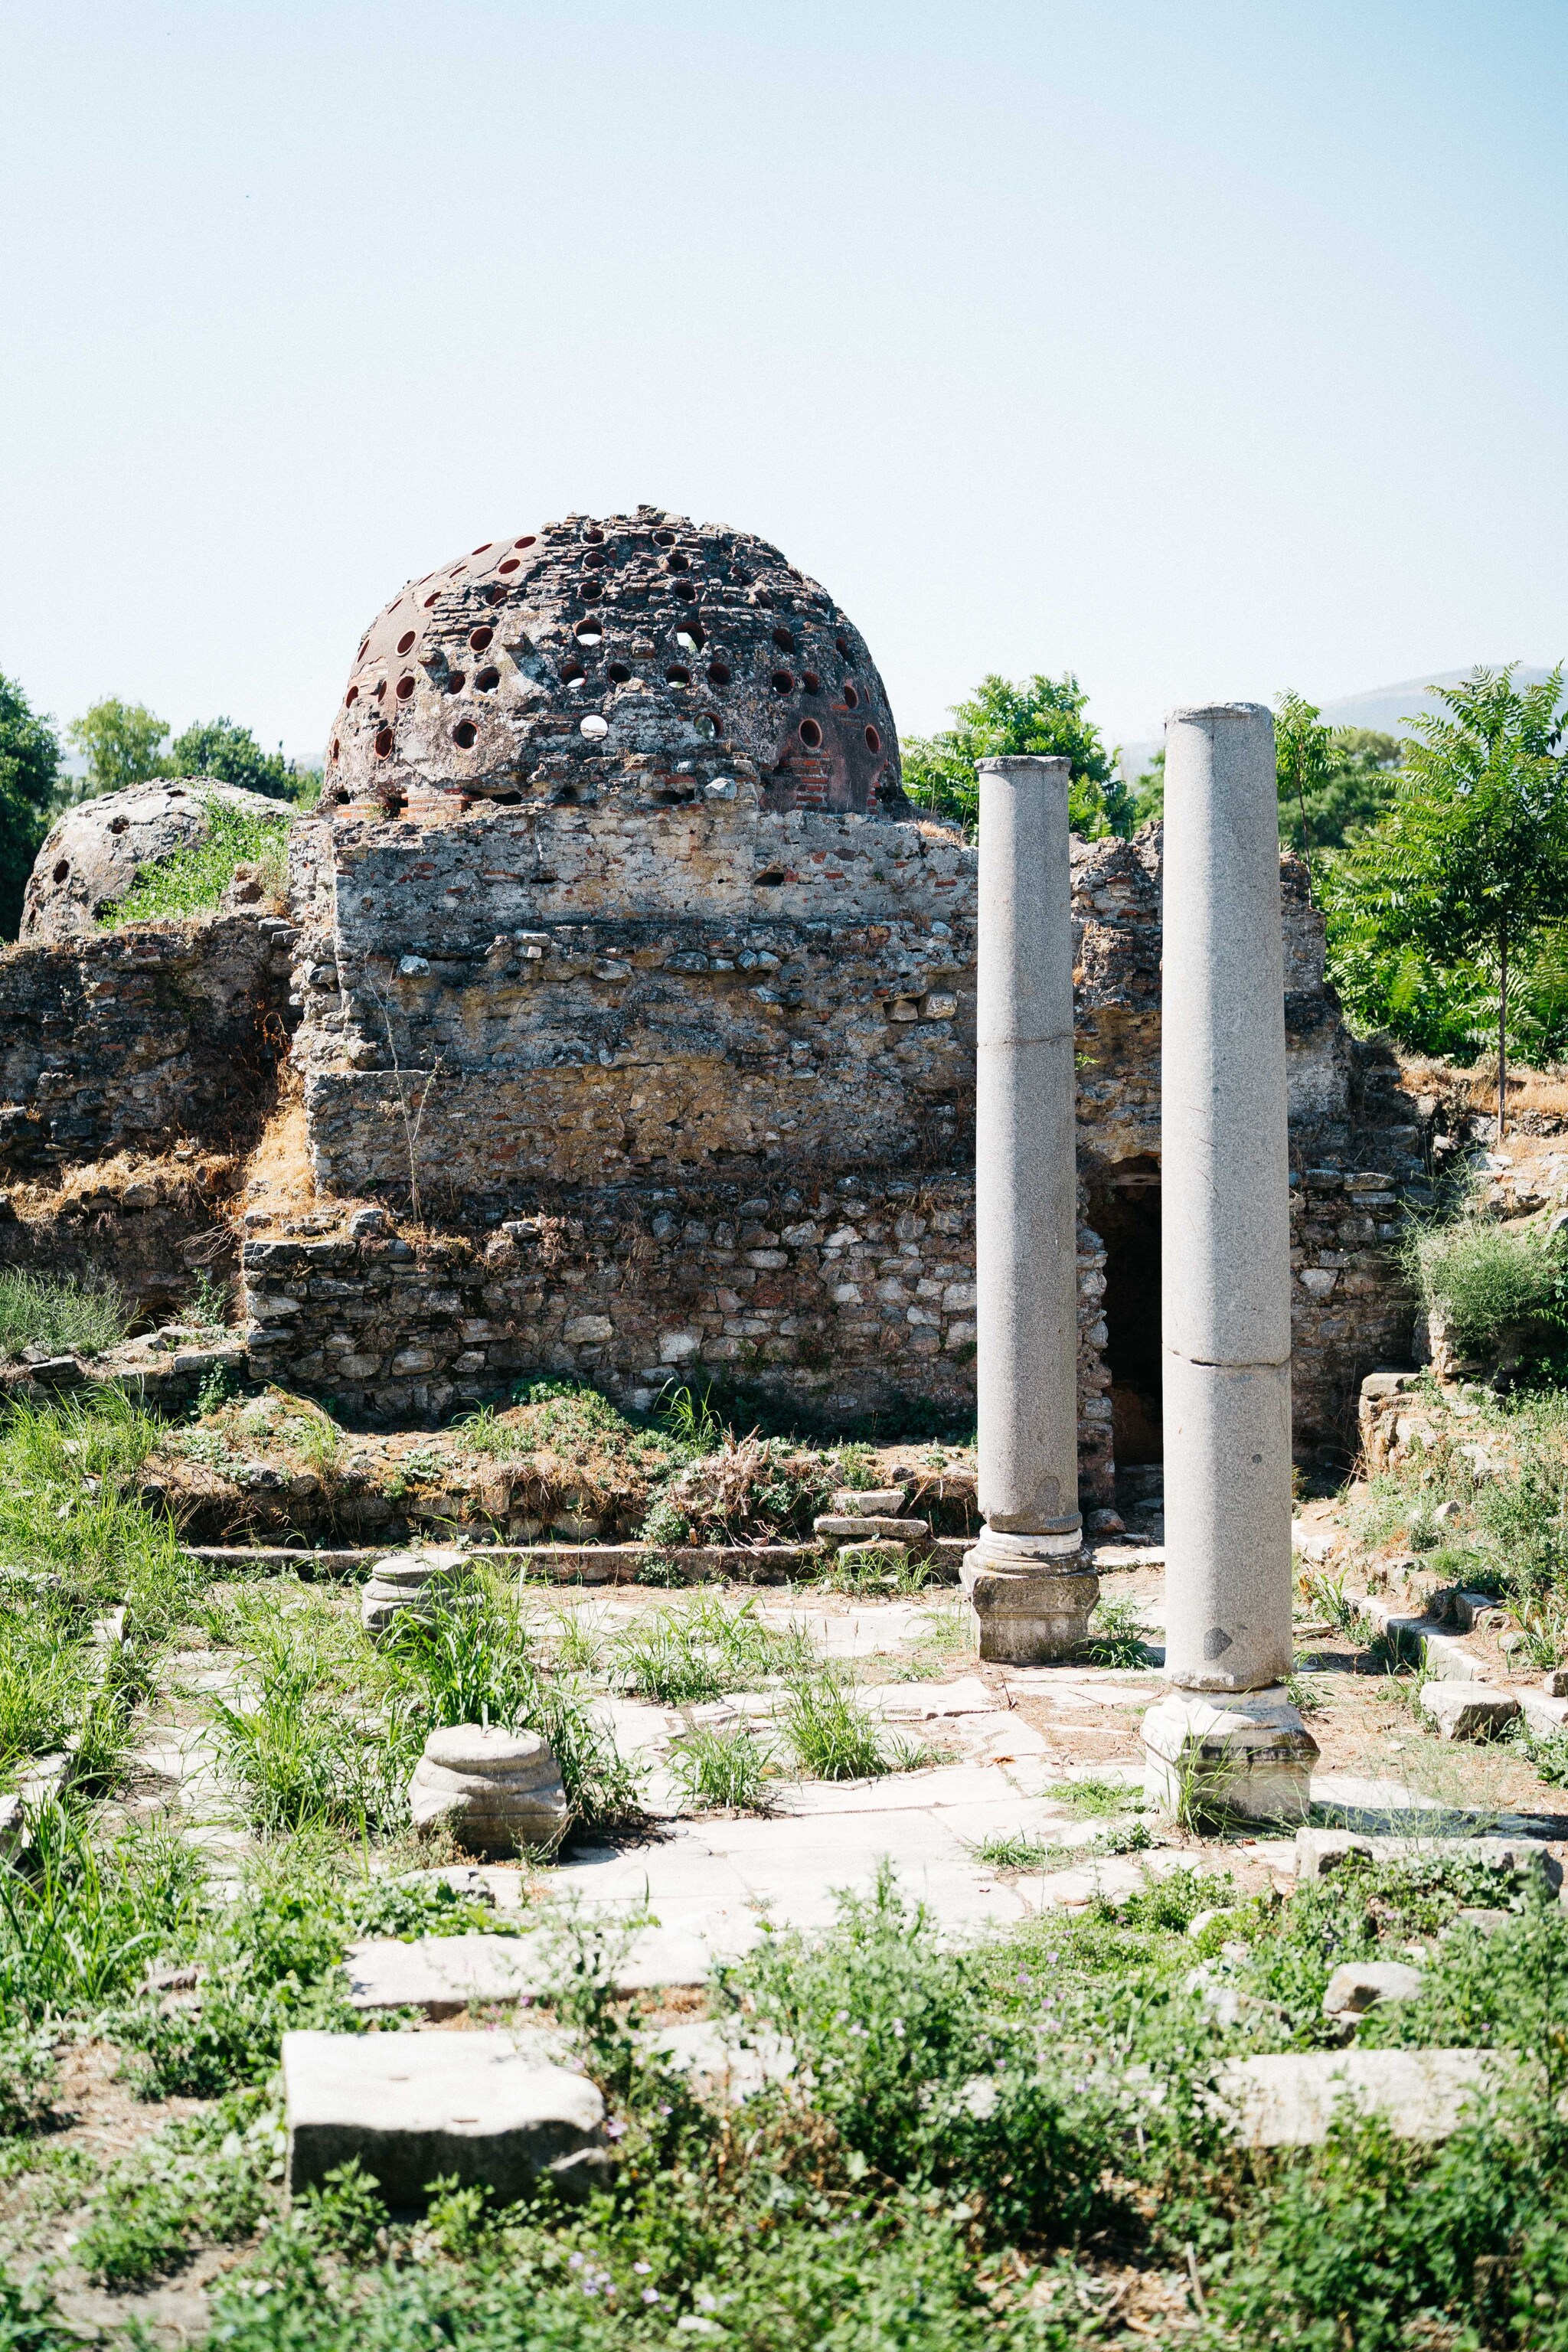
[419, 1581]
[497, 1792]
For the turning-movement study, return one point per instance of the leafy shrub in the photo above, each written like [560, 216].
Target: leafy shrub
[194, 879]
[57, 1312]
[1118, 1635]
[1486, 1281]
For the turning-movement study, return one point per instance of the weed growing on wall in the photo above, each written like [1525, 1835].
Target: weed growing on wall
[194, 879]
[59, 1313]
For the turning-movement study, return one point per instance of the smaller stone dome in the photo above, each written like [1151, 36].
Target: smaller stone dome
[94, 852]
[641, 653]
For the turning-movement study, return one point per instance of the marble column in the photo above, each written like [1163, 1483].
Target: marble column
[1025, 1576]
[1225, 1733]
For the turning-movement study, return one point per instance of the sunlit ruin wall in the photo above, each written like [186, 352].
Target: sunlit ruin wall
[632, 1009]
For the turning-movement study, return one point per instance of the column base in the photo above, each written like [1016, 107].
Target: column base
[1028, 1607]
[1246, 1755]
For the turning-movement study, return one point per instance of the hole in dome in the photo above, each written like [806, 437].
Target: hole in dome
[810, 734]
[676, 675]
[689, 638]
[618, 673]
[510, 565]
[384, 743]
[771, 879]
[718, 673]
[843, 646]
[488, 680]
[120, 823]
[479, 639]
[340, 797]
[850, 697]
[456, 681]
[482, 550]
[431, 599]
[405, 641]
[62, 869]
[593, 535]
[782, 682]
[591, 591]
[592, 726]
[687, 591]
[465, 734]
[495, 593]
[364, 647]
[811, 682]
[524, 542]
[783, 640]
[707, 726]
[594, 555]
[573, 672]
[873, 740]
[350, 698]
[589, 633]
[405, 688]
[379, 688]
[676, 562]
[663, 538]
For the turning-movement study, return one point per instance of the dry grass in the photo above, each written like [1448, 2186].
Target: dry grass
[1475, 1089]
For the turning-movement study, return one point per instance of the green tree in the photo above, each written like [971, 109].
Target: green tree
[233, 756]
[1334, 781]
[1469, 865]
[1044, 716]
[30, 764]
[124, 743]
[1302, 748]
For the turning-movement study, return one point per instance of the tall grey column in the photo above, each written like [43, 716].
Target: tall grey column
[1226, 1218]
[1025, 1576]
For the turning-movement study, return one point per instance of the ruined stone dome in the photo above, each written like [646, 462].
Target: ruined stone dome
[638, 655]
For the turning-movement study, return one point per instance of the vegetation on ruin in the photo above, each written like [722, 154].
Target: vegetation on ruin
[1490, 1285]
[29, 768]
[192, 881]
[60, 1313]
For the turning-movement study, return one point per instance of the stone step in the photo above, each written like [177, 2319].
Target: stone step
[870, 1526]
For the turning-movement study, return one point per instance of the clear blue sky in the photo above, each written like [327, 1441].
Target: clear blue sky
[1203, 348]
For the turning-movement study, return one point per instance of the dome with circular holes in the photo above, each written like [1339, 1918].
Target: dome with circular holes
[636, 654]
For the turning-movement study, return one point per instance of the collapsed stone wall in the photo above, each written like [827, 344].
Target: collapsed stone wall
[135, 1066]
[127, 1039]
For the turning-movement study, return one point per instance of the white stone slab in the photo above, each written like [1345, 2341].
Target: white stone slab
[925, 1702]
[443, 1975]
[1000, 1737]
[1289, 2101]
[414, 2108]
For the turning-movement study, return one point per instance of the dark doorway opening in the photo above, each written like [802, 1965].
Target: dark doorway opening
[1125, 1212]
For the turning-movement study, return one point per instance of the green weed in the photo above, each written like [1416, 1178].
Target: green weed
[192, 879]
[1118, 1635]
[60, 1313]
[724, 1771]
[832, 1735]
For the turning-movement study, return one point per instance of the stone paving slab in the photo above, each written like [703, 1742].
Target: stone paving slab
[1289, 2101]
[443, 1975]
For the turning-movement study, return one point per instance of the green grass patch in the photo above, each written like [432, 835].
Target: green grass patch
[194, 879]
[57, 1312]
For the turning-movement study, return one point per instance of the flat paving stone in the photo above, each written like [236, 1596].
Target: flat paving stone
[1289, 2101]
[414, 2108]
[443, 1975]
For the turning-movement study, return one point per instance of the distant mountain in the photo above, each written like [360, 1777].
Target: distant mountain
[1387, 707]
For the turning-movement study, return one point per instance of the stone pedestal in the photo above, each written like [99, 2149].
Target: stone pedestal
[497, 1792]
[1226, 1728]
[1025, 1576]
[406, 1582]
